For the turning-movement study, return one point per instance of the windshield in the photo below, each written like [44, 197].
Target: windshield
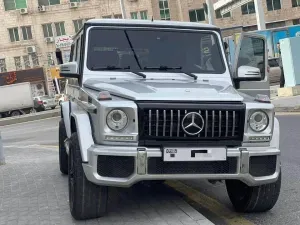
[154, 50]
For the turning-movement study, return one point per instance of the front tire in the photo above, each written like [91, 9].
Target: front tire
[63, 156]
[87, 200]
[253, 199]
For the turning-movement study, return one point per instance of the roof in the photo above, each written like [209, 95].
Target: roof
[158, 23]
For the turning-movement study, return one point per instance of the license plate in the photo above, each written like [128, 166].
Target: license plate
[194, 154]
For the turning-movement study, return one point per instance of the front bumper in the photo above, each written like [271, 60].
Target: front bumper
[246, 166]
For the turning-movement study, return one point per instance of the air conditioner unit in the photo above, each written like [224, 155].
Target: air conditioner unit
[73, 5]
[23, 11]
[49, 39]
[42, 8]
[30, 49]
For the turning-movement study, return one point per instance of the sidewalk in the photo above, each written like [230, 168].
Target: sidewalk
[284, 104]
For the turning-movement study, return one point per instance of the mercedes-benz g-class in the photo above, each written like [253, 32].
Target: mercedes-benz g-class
[156, 100]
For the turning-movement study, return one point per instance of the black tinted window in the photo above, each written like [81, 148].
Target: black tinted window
[149, 49]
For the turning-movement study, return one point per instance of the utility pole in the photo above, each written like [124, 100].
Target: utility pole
[123, 9]
[210, 12]
[260, 17]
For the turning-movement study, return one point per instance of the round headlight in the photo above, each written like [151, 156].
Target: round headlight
[259, 121]
[116, 120]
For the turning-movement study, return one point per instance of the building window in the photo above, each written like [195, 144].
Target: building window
[219, 16]
[47, 29]
[197, 15]
[275, 25]
[35, 60]
[26, 61]
[77, 24]
[118, 16]
[26, 32]
[273, 5]
[18, 63]
[296, 21]
[144, 15]
[48, 2]
[295, 3]
[2, 66]
[14, 34]
[248, 8]
[14, 4]
[164, 10]
[106, 17]
[134, 15]
[60, 28]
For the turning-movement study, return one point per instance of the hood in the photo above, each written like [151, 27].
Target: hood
[166, 90]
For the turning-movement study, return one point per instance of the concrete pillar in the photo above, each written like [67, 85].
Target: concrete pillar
[123, 9]
[2, 158]
[260, 17]
[210, 12]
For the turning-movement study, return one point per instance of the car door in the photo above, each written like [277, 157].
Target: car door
[252, 51]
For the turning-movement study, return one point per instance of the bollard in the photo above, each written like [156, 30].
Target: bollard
[2, 158]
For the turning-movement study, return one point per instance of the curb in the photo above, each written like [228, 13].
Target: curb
[30, 117]
[287, 109]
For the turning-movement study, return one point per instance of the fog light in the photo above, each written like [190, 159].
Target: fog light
[119, 138]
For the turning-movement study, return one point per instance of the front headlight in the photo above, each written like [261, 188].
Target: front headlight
[258, 121]
[116, 120]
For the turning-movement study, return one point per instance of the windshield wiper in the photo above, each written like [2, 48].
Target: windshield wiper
[165, 68]
[118, 68]
[190, 74]
[110, 68]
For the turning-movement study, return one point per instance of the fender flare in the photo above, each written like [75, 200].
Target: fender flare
[84, 130]
[65, 115]
[276, 134]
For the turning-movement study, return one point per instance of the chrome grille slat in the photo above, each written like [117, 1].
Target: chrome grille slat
[150, 124]
[171, 125]
[233, 123]
[220, 123]
[164, 126]
[226, 132]
[213, 124]
[157, 118]
[178, 123]
[200, 114]
[206, 122]
[185, 112]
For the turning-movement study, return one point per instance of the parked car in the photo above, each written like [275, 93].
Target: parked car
[274, 71]
[41, 103]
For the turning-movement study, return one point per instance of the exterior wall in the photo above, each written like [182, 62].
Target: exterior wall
[179, 10]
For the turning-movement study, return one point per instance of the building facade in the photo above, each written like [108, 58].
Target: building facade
[32, 29]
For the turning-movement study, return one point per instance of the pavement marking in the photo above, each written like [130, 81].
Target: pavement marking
[287, 113]
[220, 210]
[16, 124]
[51, 147]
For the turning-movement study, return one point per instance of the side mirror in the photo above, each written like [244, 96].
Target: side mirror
[248, 73]
[69, 69]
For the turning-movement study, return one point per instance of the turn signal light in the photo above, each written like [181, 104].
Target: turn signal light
[104, 95]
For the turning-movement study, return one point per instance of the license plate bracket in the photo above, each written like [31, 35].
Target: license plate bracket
[194, 154]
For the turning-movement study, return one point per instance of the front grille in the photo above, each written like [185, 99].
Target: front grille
[156, 165]
[262, 165]
[165, 122]
[115, 166]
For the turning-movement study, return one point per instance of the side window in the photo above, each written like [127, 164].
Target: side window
[78, 48]
[252, 53]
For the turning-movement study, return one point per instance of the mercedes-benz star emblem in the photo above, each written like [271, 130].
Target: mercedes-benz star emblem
[192, 123]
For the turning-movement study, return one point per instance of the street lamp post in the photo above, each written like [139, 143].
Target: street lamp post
[260, 17]
[123, 9]
[210, 12]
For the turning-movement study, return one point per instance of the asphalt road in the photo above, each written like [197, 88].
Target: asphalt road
[287, 209]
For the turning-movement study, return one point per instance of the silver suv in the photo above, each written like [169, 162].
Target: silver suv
[155, 101]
